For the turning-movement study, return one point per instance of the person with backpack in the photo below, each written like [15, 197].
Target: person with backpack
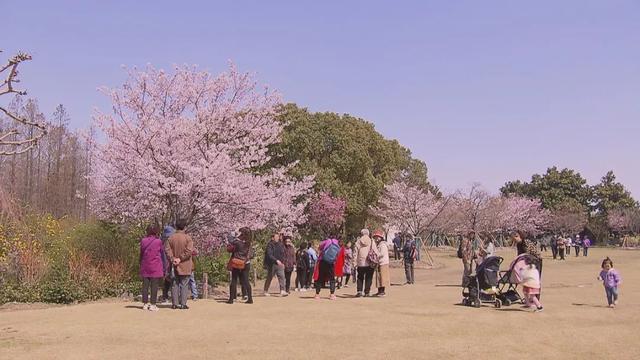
[367, 259]
[302, 267]
[325, 267]
[383, 277]
[409, 257]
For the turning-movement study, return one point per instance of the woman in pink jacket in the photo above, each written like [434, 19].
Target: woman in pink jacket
[151, 266]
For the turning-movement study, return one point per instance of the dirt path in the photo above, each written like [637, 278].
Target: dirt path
[413, 322]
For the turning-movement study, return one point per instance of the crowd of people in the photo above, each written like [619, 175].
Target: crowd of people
[168, 256]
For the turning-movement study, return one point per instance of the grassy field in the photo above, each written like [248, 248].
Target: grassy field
[423, 321]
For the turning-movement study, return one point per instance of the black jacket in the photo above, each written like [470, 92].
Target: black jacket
[274, 252]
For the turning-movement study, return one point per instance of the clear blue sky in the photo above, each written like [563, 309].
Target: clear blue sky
[483, 91]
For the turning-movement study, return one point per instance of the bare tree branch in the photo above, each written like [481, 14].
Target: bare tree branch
[10, 142]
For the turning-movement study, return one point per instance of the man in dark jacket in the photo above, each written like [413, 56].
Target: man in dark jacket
[409, 256]
[397, 245]
[274, 264]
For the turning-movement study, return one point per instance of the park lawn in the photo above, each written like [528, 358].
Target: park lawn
[423, 321]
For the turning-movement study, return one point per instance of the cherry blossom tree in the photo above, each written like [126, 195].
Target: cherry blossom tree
[186, 144]
[326, 212]
[624, 220]
[519, 213]
[408, 208]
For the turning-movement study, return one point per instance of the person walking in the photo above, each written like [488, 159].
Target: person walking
[302, 267]
[409, 257]
[240, 250]
[274, 264]
[179, 250]
[531, 285]
[329, 251]
[151, 267]
[577, 244]
[526, 246]
[289, 262]
[313, 259]
[586, 244]
[348, 263]
[366, 260]
[610, 280]
[383, 276]
[561, 245]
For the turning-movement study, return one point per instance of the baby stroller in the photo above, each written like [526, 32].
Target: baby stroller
[482, 287]
[509, 280]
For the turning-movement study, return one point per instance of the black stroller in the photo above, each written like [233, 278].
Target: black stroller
[509, 280]
[482, 287]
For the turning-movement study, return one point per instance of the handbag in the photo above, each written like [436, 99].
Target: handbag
[372, 256]
[236, 263]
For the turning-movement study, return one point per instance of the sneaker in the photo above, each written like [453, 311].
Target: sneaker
[303, 290]
[230, 301]
[367, 295]
[346, 286]
[284, 293]
[245, 298]
[317, 297]
[267, 294]
[145, 306]
[250, 301]
[175, 307]
[538, 309]
[184, 307]
[359, 294]
[615, 303]
[296, 289]
[194, 298]
[332, 297]
[153, 308]
[612, 306]
[381, 295]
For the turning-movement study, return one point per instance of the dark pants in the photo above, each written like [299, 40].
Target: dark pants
[543, 247]
[247, 273]
[561, 252]
[153, 284]
[287, 277]
[554, 251]
[243, 276]
[166, 288]
[585, 251]
[577, 250]
[365, 276]
[408, 272]
[346, 278]
[301, 278]
[180, 290]
[396, 252]
[326, 271]
[309, 277]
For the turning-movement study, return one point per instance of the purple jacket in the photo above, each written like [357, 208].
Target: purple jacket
[610, 278]
[586, 243]
[151, 257]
